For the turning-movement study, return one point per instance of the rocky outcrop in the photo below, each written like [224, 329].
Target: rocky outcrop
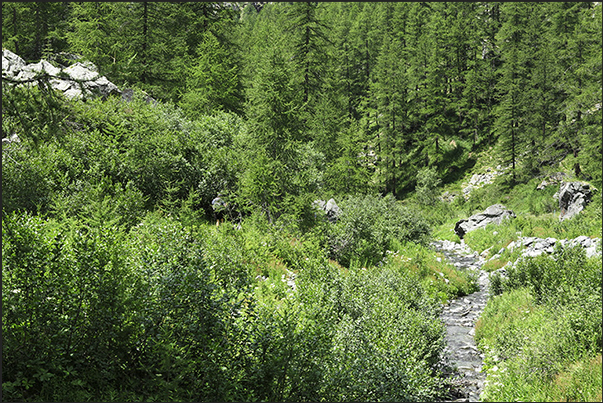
[80, 80]
[533, 246]
[492, 215]
[573, 197]
[330, 208]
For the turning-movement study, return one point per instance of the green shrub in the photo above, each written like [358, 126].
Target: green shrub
[157, 149]
[565, 276]
[427, 186]
[25, 180]
[542, 319]
[369, 225]
[65, 323]
[387, 341]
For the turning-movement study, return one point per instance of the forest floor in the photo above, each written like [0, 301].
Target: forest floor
[462, 359]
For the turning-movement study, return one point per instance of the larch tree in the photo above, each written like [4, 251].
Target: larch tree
[514, 78]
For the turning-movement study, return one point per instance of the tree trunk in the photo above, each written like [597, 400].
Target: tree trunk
[307, 67]
[145, 24]
[15, 30]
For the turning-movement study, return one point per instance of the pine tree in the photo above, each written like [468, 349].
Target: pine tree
[388, 96]
[478, 97]
[577, 27]
[541, 93]
[98, 32]
[418, 59]
[275, 132]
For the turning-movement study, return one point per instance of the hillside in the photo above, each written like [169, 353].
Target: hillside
[285, 201]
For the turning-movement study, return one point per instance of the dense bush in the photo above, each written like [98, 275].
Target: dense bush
[25, 180]
[66, 316]
[188, 344]
[169, 312]
[387, 342]
[369, 226]
[143, 155]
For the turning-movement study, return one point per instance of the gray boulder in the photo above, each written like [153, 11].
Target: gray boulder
[80, 80]
[11, 64]
[573, 197]
[492, 215]
[537, 246]
[330, 208]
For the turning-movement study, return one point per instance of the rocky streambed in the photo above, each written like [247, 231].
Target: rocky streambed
[462, 359]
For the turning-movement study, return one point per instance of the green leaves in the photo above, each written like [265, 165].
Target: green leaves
[427, 184]
[34, 113]
[369, 225]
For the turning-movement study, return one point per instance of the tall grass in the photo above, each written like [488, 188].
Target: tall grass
[542, 335]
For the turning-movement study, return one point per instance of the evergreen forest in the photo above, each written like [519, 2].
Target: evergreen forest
[124, 280]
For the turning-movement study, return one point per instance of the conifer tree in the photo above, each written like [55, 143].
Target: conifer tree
[514, 77]
[478, 97]
[97, 33]
[388, 95]
[213, 81]
[541, 93]
[577, 28]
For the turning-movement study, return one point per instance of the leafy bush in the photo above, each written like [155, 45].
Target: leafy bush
[157, 149]
[370, 225]
[25, 180]
[66, 331]
[186, 312]
[427, 186]
[378, 334]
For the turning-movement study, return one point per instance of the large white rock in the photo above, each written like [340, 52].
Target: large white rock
[11, 64]
[80, 72]
[492, 215]
[42, 67]
[79, 80]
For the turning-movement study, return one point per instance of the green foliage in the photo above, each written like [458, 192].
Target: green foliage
[427, 186]
[116, 288]
[370, 225]
[387, 341]
[34, 113]
[66, 315]
[184, 316]
[34, 29]
[25, 179]
[213, 82]
[544, 319]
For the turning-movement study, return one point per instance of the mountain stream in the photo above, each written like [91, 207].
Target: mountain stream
[462, 358]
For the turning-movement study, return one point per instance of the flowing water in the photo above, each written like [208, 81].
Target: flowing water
[461, 355]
